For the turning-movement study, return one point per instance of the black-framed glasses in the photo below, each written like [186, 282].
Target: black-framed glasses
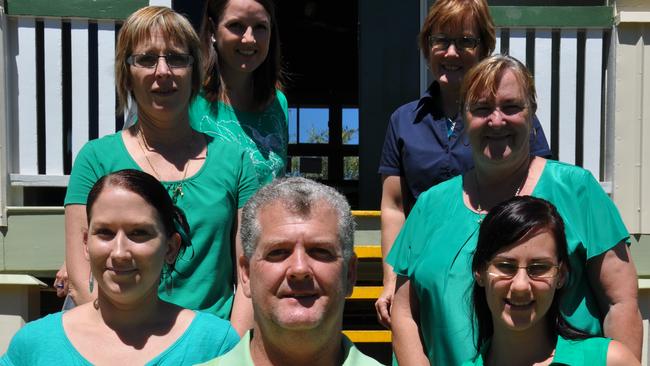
[535, 271]
[149, 61]
[440, 42]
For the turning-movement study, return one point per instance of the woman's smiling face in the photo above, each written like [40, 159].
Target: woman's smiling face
[243, 34]
[126, 245]
[449, 66]
[520, 303]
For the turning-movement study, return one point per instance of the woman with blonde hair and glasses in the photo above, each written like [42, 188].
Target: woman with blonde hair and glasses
[520, 266]
[158, 65]
[426, 141]
[433, 252]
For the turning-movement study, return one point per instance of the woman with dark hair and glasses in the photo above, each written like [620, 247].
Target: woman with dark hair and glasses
[426, 141]
[520, 267]
[158, 66]
[241, 100]
[135, 235]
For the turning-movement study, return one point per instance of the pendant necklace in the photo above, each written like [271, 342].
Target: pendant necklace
[178, 189]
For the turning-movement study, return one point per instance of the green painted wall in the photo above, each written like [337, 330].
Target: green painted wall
[641, 254]
[94, 9]
[33, 243]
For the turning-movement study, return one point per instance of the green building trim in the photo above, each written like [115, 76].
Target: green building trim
[553, 16]
[92, 9]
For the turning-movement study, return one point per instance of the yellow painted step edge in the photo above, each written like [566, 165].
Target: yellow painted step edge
[367, 251]
[365, 292]
[366, 213]
[369, 336]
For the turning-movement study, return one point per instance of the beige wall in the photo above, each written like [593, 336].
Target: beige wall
[629, 114]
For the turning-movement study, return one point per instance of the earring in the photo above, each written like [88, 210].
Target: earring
[91, 283]
[214, 40]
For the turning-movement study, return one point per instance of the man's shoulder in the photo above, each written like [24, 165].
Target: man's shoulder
[354, 357]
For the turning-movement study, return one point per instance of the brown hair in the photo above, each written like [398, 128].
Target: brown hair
[453, 13]
[266, 78]
[137, 28]
[485, 76]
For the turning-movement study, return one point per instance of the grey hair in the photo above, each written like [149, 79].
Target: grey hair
[299, 196]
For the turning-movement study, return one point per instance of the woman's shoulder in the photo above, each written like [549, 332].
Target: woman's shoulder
[444, 189]
[562, 169]
[405, 113]
[37, 334]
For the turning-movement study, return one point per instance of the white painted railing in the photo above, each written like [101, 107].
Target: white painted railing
[37, 121]
[567, 91]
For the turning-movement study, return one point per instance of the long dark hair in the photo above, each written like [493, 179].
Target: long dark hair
[266, 78]
[508, 223]
[153, 192]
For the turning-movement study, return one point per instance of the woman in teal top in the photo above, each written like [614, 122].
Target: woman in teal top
[520, 266]
[158, 66]
[433, 252]
[134, 236]
[241, 99]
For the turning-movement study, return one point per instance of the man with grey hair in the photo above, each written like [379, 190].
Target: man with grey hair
[298, 266]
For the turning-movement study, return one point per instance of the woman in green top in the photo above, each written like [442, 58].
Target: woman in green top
[241, 100]
[520, 266]
[134, 236]
[432, 254]
[158, 65]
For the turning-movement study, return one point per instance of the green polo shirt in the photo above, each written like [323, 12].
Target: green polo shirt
[583, 352]
[241, 355]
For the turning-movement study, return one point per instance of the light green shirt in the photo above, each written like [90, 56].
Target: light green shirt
[241, 355]
[583, 352]
[436, 244]
[263, 135]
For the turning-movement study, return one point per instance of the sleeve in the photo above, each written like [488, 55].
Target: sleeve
[83, 176]
[603, 227]
[400, 254]
[229, 341]
[538, 142]
[285, 128]
[390, 161]
[248, 183]
[19, 348]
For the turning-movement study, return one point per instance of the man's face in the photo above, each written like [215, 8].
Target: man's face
[297, 277]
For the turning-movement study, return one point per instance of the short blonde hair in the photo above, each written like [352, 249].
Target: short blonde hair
[454, 13]
[137, 28]
[485, 76]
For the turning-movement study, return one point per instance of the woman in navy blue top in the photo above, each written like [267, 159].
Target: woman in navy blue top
[425, 143]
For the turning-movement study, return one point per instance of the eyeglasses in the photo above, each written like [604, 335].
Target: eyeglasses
[465, 43]
[536, 271]
[149, 61]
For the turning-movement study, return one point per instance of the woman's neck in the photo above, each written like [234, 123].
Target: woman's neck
[450, 101]
[161, 135]
[488, 186]
[144, 313]
[237, 89]
[513, 348]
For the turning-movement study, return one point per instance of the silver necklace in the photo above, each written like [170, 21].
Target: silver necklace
[178, 189]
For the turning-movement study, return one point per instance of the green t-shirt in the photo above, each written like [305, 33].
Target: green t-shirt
[435, 247]
[204, 275]
[241, 355]
[44, 342]
[264, 135]
[583, 352]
